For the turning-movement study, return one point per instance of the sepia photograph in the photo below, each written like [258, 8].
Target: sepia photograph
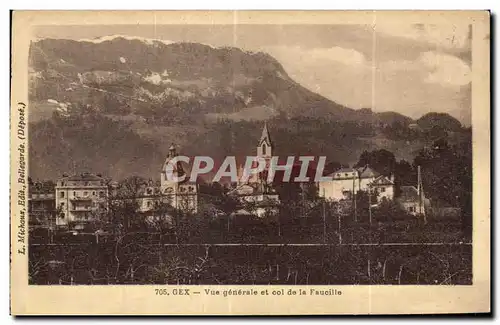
[292, 154]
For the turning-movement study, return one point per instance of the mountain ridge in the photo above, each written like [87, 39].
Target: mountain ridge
[65, 57]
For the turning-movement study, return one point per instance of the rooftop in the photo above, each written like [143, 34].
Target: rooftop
[367, 172]
[345, 170]
[409, 194]
[382, 180]
[361, 172]
[83, 177]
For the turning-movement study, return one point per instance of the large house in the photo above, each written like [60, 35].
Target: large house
[346, 182]
[79, 199]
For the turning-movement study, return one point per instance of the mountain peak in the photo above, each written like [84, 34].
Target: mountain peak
[148, 41]
[443, 120]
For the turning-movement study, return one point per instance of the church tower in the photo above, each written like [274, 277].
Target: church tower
[265, 146]
[166, 180]
[181, 195]
[265, 152]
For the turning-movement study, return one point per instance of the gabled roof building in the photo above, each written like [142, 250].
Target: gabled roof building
[345, 182]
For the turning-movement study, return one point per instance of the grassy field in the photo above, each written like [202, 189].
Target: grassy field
[300, 264]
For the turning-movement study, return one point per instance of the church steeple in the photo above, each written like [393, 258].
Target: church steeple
[265, 146]
[265, 137]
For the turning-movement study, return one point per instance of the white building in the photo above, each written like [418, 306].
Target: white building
[348, 181]
[149, 197]
[79, 199]
[383, 187]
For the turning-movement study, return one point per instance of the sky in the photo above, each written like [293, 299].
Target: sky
[410, 69]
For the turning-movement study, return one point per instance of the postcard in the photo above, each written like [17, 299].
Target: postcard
[250, 162]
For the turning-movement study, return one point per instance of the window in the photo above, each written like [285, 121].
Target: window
[149, 204]
[346, 174]
[85, 193]
[62, 215]
[382, 189]
[93, 193]
[61, 194]
[411, 209]
[264, 147]
[62, 204]
[74, 193]
[101, 193]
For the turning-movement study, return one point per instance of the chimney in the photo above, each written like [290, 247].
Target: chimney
[392, 178]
